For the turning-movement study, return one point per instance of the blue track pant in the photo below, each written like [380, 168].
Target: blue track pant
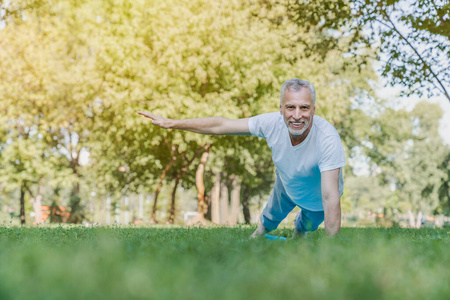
[280, 205]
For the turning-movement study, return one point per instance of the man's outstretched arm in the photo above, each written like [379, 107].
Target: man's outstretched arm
[331, 201]
[211, 125]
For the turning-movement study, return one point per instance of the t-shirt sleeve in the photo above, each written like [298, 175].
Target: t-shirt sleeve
[261, 125]
[332, 153]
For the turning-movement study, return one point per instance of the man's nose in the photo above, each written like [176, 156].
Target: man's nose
[297, 113]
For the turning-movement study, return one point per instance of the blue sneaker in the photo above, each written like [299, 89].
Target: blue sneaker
[274, 237]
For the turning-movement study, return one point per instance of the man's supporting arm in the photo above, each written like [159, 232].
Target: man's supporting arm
[331, 201]
[211, 125]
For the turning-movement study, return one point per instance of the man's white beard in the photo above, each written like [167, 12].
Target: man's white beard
[299, 132]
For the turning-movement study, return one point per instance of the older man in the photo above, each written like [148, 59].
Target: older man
[306, 151]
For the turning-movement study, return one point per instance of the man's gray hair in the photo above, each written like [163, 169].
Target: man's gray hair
[296, 84]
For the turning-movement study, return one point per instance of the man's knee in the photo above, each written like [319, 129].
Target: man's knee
[308, 226]
[269, 222]
[308, 221]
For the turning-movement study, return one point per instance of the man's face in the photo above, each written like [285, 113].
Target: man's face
[297, 109]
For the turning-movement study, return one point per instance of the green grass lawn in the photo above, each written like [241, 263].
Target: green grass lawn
[212, 263]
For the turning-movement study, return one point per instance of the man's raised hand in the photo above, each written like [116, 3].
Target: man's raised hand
[157, 120]
[208, 125]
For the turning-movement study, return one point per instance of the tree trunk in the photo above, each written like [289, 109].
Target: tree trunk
[141, 207]
[126, 214]
[215, 194]
[202, 206]
[76, 213]
[22, 204]
[171, 219]
[117, 213]
[183, 170]
[224, 204]
[101, 219]
[158, 189]
[37, 203]
[411, 219]
[235, 201]
[108, 210]
[245, 205]
[419, 219]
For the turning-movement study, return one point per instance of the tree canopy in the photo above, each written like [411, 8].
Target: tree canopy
[74, 74]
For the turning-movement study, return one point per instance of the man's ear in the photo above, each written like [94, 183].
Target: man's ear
[281, 111]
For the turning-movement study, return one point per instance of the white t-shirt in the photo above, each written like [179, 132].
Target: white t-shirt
[299, 166]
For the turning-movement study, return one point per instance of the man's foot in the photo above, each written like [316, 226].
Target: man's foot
[298, 234]
[259, 232]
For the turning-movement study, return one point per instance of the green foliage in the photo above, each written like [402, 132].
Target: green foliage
[47, 90]
[413, 38]
[329, 27]
[408, 150]
[74, 74]
[196, 263]
[444, 189]
[360, 191]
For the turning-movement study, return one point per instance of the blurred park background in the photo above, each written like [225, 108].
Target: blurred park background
[73, 75]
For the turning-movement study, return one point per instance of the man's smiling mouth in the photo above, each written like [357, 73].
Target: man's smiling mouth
[297, 124]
